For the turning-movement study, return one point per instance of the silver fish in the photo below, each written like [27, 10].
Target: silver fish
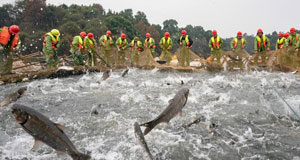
[46, 131]
[175, 106]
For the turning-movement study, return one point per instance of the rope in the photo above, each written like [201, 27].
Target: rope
[291, 108]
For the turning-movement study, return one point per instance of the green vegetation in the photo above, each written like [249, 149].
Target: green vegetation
[35, 18]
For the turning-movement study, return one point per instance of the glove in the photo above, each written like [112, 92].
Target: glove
[211, 49]
[180, 44]
[50, 55]
[268, 49]
[297, 50]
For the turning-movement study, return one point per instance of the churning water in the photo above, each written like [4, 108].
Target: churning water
[242, 117]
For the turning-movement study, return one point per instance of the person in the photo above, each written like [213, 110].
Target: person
[77, 49]
[237, 45]
[150, 43]
[293, 42]
[122, 45]
[51, 44]
[166, 44]
[90, 49]
[293, 39]
[106, 43]
[280, 43]
[9, 41]
[185, 43]
[215, 44]
[136, 46]
[261, 46]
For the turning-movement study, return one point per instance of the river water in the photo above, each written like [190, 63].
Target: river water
[242, 116]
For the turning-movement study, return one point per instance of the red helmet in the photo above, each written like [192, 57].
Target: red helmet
[214, 32]
[280, 34]
[123, 35]
[286, 35]
[91, 35]
[167, 34]
[14, 29]
[148, 35]
[292, 30]
[239, 34]
[108, 32]
[259, 31]
[83, 34]
[183, 32]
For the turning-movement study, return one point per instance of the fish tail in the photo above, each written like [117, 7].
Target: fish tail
[149, 126]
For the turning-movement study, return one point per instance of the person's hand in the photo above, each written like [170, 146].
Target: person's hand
[50, 55]
[255, 52]
[180, 44]
[233, 50]
[268, 49]
[297, 50]
[211, 49]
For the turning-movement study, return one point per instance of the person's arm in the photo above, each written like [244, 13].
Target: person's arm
[75, 43]
[232, 44]
[101, 41]
[118, 43]
[210, 44]
[171, 44]
[255, 45]
[221, 43]
[268, 43]
[161, 43]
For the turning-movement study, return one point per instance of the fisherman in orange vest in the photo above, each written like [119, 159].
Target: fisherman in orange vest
[9, 39]
[261, 46]
[294, 42]
[215, 45]
[50, 46]
[237, 45]
[280, 43]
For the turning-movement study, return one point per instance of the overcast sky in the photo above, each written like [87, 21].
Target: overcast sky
[226, 16]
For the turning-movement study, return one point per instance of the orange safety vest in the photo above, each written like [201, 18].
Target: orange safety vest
[214, 43]
[5, 36]
[258, 39]
[52, 40]
[236, 42]
[280, 42]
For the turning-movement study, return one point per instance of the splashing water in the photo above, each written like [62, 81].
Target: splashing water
[249, 120]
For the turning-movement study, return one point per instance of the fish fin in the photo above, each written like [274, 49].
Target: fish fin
[171, 100]
[37, 143]
[60, 127]
[59, 153]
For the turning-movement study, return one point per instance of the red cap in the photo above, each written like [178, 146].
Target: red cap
[214, 32]
[259, 31]
[14, 29]
[83, 34]
[108, 32]
[123, 35]
[292, 30]
[167, 34]
[183, 32]
[239, 34]
[148, 35]
[286, 35]
[280, 34]
[91, 35]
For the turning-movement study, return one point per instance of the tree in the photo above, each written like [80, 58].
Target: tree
[170, 26]
[141, 16]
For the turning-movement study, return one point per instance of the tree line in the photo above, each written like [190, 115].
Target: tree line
[36, 18]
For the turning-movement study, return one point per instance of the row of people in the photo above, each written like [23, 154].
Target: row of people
[85, 45]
